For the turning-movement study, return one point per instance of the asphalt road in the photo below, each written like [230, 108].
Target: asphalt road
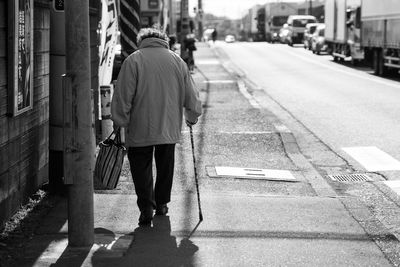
[341, 105]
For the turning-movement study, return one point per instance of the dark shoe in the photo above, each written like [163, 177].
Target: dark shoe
[146, 217]
[162, 209]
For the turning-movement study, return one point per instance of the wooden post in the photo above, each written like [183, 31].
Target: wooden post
[80, 136]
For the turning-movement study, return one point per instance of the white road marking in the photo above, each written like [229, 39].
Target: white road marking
[208, 62]
[394, 185]
[245, 93]
[237, 132]
[254, 173]
[373, 159]
[245, 132]
[219, 81]
[350, 73]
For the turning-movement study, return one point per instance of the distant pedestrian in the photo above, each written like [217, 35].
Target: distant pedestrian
[190, 46]
[154, 90]
[172, 42]
[214, 35]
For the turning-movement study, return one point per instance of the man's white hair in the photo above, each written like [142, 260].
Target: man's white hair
[153, 32]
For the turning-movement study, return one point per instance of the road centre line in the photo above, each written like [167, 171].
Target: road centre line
[375, 79]
[373, 159]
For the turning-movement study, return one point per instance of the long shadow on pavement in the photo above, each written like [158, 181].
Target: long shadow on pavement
[151, 246]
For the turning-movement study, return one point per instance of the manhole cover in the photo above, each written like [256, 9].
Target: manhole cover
[359, 177]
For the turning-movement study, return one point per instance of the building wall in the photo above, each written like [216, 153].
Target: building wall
[24, 138]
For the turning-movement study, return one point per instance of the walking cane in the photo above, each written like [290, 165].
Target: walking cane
[195, 174]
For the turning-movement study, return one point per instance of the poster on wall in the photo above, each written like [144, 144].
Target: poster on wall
[21, 56]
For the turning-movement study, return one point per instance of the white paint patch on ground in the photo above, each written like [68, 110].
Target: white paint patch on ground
[281, 128]
[236, 132]
[254, 173]
[373, 159]
[208, 62]
[394, 185]
[220, 81]
[247, 95]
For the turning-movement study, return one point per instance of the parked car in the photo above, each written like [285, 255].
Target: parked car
[308, 32]
[229, 38]
[318, 40]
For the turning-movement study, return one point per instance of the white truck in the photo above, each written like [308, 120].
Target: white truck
[343, 29]
[276, 15]
[380, 34]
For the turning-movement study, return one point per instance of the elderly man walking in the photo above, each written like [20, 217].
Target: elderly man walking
[154, 91]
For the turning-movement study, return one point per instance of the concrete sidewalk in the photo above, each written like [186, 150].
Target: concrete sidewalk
[246, 222]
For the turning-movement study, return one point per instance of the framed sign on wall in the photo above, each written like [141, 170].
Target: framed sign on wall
[20, 71]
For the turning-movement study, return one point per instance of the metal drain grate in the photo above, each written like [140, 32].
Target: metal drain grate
[359, 177]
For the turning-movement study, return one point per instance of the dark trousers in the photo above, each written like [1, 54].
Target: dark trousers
[141, 162]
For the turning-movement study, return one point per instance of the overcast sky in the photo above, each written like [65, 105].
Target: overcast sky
[231, 8]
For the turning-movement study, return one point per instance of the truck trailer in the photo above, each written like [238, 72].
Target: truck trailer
[343, 29]
[260, 36]
[380, 35]
[365, 30]
[253, 31]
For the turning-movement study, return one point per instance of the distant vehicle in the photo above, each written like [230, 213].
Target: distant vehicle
[365, 30]
[230, 38]
[276, 24]
[297, 25]
[318, 44]
[380, 37]
[308, 32]
[275, 15]
[343, 28]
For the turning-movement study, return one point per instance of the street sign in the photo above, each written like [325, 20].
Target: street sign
[58, 5]
[153, 4]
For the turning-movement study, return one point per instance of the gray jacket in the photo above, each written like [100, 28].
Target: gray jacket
[153, 88]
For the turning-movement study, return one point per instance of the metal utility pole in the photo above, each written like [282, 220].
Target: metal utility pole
[184, 23]
[200, 17]
[79, 140]
[310, 7]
